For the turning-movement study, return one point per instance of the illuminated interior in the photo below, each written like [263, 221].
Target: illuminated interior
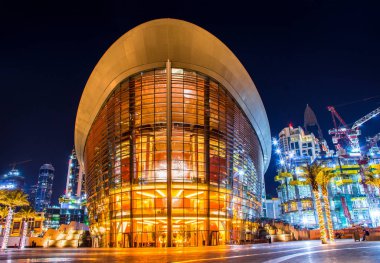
[172, 160]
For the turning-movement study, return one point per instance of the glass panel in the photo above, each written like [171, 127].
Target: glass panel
[216, 165]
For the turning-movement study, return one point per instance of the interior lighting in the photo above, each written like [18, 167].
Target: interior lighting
[161, 193]
[274, 141]
[282, 162]
[241, 172]
[278, 151]
[179, 193]
[194, 194]
[146, 194]
[145, 222]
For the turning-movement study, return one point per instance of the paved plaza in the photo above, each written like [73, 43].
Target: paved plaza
[300, 251]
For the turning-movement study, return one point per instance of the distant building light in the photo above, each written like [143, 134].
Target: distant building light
[7, 186]
[356, 150]
[282, 162]
[278, 151]
[274, 141]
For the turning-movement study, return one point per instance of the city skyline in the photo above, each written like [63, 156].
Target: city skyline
[306, 52]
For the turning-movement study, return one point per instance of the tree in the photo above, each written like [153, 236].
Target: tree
[323, 179]
[3, 215]
[3, 212]
[11, 199]
[372, 179]
[25, 214]
[311, 172]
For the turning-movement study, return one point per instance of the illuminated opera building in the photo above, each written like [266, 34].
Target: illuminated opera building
[174, 140]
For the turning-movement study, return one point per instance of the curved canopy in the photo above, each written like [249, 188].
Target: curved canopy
[186, 45]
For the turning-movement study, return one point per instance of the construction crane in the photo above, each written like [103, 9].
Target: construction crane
[13, 165]
[346, 142]
[366, 118]
[342, 136]
[345, 137]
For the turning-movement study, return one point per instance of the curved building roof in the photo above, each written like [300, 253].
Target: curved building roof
[186, 45]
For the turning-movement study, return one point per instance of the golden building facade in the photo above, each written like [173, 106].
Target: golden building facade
[170, 150]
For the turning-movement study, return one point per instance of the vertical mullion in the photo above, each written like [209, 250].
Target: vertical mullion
[169, 150]
[132, 92]
[207, 151]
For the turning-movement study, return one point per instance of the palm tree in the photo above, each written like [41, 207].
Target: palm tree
[3, 214]
[311, 173]
[11, 199]
[372, 179]
[25, 214]
[325, 175]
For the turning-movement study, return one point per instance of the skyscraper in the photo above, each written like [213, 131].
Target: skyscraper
[13, 180]
[72, 203]
[75, 178]
[44, 187]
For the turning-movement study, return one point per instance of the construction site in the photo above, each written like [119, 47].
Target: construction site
[346, 188]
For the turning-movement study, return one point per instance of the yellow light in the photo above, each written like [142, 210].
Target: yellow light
[146, 194]
[328, 216]
[194, 194]
[161, 193]
[179, 193]
[321, 220]
[146, 222]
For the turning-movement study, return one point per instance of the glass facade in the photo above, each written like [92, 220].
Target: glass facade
[172, 160]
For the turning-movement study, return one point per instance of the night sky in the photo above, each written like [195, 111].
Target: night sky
[297, 52]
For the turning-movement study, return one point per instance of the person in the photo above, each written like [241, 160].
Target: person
[269, 238]
[365, 234]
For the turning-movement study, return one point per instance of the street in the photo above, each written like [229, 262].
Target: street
[299, 251]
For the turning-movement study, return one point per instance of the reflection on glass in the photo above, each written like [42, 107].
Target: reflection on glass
[216, 164]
